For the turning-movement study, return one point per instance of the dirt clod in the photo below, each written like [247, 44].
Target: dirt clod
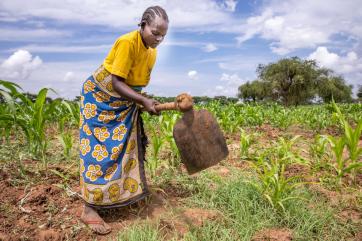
[49, 235]
[273, 234]
[197, 217]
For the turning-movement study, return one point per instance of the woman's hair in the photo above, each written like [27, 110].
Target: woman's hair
[150, 14]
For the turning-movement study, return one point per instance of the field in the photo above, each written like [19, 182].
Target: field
[292, 174]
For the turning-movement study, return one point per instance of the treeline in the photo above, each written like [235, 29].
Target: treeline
[201, 99]
[293, 81]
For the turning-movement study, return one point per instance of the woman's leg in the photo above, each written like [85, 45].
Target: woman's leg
[91, 217]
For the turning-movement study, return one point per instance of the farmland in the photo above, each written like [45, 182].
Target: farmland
[293, 173]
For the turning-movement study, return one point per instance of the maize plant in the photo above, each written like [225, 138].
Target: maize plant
[65, 139]
[156, 144]
[245, 142]
[270, 166]
[350, 140]
[285, 152]
[8, 108]
[272, 182]
[167, 122]
[30, 116]
[319, 151]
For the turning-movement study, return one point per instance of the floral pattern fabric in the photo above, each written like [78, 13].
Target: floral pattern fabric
[111, 168]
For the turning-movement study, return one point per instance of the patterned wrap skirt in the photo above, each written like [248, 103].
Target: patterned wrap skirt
[112, 149]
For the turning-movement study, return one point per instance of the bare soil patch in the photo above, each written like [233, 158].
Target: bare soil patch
[273, 234]
[187, 219]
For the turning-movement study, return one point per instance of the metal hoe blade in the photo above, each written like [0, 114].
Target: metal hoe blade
[199, 140]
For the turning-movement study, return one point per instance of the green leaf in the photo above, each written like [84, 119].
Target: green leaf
[10, 86]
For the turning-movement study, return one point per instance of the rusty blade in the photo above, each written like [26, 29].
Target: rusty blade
[199, 140]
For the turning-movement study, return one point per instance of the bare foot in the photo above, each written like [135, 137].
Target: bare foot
[94, 221]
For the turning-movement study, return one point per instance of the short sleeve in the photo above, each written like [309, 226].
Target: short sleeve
[123, 59]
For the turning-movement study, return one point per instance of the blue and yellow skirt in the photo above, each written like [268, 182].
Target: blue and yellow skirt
[112, 149]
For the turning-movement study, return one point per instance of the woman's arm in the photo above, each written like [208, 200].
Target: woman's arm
[127, 92]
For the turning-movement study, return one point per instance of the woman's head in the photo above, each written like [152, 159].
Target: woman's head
[154, 25]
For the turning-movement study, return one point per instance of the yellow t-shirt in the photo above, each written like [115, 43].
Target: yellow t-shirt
[131, 60]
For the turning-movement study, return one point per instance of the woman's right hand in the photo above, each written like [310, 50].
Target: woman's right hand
[149, 105]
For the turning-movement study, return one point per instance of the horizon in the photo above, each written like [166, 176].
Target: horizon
[211, 48]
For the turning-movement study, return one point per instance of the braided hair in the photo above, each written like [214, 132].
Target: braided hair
[150, 14]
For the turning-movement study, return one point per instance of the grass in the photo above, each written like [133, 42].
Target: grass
[141, 232]
[244, 212]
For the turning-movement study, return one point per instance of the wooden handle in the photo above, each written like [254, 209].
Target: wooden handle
[182, 103]
[166, 106]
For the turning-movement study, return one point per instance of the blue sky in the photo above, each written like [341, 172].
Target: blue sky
[212, 47]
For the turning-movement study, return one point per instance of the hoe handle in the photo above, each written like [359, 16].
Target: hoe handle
[167, 106]
[182, 103]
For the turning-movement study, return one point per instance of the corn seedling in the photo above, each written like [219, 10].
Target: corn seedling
[167, 122]
[350, 139]
[318, 150]
[272, 183]
[153, 163]
[66, 140]
[341, 165]
[245, 142]
[285, 152]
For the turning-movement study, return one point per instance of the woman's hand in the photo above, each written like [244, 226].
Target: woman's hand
[149, 105]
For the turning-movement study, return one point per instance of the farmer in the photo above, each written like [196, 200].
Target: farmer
[112, 141]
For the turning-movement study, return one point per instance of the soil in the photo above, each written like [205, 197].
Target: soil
[187, 219]
[38, 208]
[43, 211]
[297, 170]
[273, 234]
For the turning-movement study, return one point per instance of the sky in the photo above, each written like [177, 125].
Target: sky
[211, 47]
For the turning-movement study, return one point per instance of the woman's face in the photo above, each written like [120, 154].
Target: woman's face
[155, 32]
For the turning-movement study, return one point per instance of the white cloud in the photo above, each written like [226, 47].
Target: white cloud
[53, 75]
[340, 64]
[69, 76]
[209, 48]
[19, 65]
[240, 63]
[293, 24]
[229, 86]
[27, 35]
[182, 14]
[103, 48]
[231, 80]
[192, 74]
[230, 5]
[350, 65]
[324, 57]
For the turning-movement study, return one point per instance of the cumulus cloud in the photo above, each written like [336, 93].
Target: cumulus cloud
[230, 5]
[19, 65]
[293, 24]
[350, 65]
[182, 14]
[192, 74]
[102, 48]
[229, 86]
[341, 64]
[27, 35]
[69, 76]
[209, 48]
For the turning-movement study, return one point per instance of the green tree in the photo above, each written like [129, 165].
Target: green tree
[334, 87]
[291, 81]
[256, 90]
[359, 92]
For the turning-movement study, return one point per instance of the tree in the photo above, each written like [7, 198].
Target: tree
[256, 90]
[291, 81]
[334, 87]
[359, 93]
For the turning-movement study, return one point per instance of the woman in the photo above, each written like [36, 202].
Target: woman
[111, 131]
